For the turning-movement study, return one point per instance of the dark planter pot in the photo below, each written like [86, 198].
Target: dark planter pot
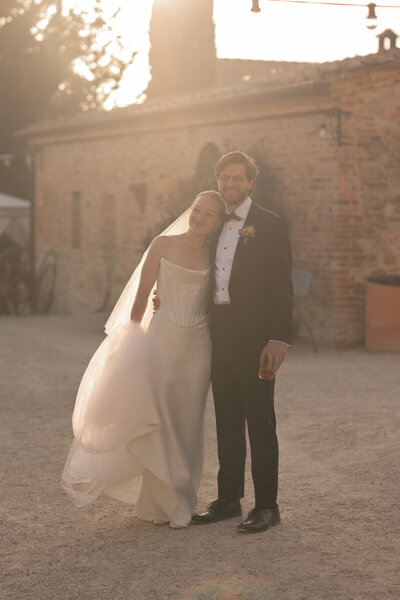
[382, 313]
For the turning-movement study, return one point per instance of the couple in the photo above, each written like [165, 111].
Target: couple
[224, 309]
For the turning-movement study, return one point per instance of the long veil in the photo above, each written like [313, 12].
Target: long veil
[106, 423]
[121, 312]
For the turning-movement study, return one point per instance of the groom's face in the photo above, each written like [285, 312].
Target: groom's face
[234, 184]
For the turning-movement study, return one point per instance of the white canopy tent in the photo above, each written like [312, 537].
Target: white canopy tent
[15, 214]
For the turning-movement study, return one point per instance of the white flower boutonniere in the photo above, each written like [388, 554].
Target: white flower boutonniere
[247, 233]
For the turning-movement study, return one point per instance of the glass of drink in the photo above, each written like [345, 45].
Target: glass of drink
[266, 373]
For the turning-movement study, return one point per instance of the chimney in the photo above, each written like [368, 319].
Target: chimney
[389, 35]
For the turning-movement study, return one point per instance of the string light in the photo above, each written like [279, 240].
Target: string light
[372, 20]
[256, 2]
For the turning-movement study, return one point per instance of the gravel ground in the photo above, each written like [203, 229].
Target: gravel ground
[337, 417]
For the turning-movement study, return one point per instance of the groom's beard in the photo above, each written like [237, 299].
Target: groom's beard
[235, 197]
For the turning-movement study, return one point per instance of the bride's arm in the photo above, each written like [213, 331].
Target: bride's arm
[148, 277]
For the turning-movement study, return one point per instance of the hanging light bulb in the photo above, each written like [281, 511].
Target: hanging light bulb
[256, 6]
[372, 20]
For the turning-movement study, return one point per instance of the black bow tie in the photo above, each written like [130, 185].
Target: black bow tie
[232, 216]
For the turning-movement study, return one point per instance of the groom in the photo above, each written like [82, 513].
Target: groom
[251, 325]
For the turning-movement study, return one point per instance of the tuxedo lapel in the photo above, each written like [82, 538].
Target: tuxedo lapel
[242, 247]
[213, 252]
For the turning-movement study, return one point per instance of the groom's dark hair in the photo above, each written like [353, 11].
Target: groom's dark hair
[239, 158]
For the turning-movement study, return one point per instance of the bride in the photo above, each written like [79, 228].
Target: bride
[139, 412]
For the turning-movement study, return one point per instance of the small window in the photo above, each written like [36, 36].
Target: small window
[76, 219]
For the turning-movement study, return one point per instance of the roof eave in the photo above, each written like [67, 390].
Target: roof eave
[109, 120]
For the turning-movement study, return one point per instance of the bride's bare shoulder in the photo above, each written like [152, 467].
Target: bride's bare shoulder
[160, 245]
[162, 241]
[167, 241]
[163, 245]
[179, 237]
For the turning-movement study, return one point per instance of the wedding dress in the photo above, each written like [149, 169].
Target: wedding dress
[138, 418]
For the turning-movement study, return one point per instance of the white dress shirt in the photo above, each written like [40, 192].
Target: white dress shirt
[226, 248]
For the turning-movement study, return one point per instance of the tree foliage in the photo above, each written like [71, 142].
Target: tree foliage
[53, 62]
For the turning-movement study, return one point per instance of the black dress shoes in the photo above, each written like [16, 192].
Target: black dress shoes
[260, 519]
[219, 510]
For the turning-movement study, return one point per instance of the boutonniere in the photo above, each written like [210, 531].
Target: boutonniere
[247, 233]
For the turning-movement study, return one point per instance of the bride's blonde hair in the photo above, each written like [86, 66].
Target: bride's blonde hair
[216, 196]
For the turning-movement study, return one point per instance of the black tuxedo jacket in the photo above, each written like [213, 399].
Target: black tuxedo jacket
[260, 286]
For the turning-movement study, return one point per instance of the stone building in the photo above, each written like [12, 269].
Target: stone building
[328, 134]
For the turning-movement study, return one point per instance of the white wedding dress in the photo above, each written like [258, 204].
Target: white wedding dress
[138, 418]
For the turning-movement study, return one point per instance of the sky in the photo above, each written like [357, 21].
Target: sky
[281, 31]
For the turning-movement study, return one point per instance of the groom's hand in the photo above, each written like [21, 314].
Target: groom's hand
[273, 354]
[156, 301]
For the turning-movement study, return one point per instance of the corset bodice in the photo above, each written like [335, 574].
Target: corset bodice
[183, 293]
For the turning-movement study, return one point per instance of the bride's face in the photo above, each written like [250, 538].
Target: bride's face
[205, 216]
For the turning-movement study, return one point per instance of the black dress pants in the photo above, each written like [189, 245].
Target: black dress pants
[240, 397]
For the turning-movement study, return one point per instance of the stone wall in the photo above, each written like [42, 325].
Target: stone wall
[367, 218]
